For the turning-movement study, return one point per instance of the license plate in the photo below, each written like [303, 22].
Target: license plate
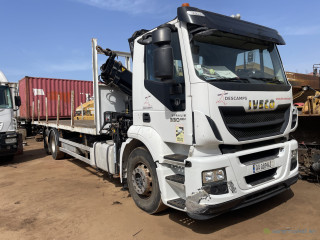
[260, 167]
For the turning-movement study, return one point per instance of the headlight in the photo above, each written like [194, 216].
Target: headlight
[294, 153]
[10, 140]
[13, 124]
[213, 176]
[294, 159]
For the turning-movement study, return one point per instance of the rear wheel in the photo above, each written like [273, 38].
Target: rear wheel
[143, 181]
[46, 144]
[54, 145]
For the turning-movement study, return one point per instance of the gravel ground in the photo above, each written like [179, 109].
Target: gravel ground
[41, 198]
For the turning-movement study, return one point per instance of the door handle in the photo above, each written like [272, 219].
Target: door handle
[146, 117]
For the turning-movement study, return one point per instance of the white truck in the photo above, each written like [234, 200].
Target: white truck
[200, 125]
[8, 123]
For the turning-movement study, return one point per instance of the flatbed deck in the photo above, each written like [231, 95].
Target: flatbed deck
[81, 126]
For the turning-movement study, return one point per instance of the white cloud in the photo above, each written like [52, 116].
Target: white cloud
[302, 30]
[129, 6]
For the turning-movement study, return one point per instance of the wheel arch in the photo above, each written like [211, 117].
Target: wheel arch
[126, 149]
[143, 137]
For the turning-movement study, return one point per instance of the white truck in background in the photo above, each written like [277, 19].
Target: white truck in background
[9, 138]
[202, 122]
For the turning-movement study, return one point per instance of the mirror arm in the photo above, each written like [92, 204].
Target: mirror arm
[172, 27]
[145, 40]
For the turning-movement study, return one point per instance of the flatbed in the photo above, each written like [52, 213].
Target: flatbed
[81, 126]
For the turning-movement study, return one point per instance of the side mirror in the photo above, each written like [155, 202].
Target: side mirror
[163, 54]
[161, 36]
[17, 101]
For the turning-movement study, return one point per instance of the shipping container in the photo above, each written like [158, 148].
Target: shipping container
[32, 89]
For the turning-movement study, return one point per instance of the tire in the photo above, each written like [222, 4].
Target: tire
[54, 145]
[142, 170]
[46, 142]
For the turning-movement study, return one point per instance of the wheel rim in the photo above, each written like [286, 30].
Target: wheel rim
[142, 180]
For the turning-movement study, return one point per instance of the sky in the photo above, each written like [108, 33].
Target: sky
[52, 38]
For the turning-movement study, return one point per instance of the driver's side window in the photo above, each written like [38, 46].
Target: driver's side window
[170, 92]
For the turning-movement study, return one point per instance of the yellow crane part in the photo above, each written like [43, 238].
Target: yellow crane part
[85, 111]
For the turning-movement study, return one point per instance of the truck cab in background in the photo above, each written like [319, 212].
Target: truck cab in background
[8, 124]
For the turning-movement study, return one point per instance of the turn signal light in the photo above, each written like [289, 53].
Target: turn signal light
[185, 5]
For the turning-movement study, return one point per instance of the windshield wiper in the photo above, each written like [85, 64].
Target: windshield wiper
[235, 79]
[268, 80]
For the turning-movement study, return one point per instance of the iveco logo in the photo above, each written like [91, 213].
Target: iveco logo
[261, 104]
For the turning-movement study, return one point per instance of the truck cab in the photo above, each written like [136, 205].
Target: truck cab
[8, 124]
[213, 107]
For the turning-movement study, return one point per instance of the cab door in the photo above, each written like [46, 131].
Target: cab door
[166, 104]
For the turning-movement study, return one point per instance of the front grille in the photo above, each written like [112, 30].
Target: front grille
[251, 125]
[259, 156]
[261, 177]
[225, 148]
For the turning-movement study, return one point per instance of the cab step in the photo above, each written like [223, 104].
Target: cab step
[178, 203]
[176, 178]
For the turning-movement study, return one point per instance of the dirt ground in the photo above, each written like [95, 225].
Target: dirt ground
[41, 198]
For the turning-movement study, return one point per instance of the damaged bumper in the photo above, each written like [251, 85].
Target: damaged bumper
[198, 210]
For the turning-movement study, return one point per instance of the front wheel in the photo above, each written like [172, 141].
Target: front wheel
[143, 181]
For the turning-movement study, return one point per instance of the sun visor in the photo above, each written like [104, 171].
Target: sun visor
[228, 24]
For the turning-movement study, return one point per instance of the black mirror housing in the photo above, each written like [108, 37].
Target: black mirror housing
[161, 36]
[163, 53]
[17, 101]
[163, 62]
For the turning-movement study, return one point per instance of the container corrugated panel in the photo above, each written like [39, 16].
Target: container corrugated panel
[32, 89]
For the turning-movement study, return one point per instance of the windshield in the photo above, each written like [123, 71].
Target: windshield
[226, 57]
[5, 97]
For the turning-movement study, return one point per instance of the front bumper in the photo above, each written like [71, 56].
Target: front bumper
[5, 148]
[215, 210]
[240, 192]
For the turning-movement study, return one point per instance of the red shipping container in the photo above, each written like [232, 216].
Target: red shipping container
[32, 89]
